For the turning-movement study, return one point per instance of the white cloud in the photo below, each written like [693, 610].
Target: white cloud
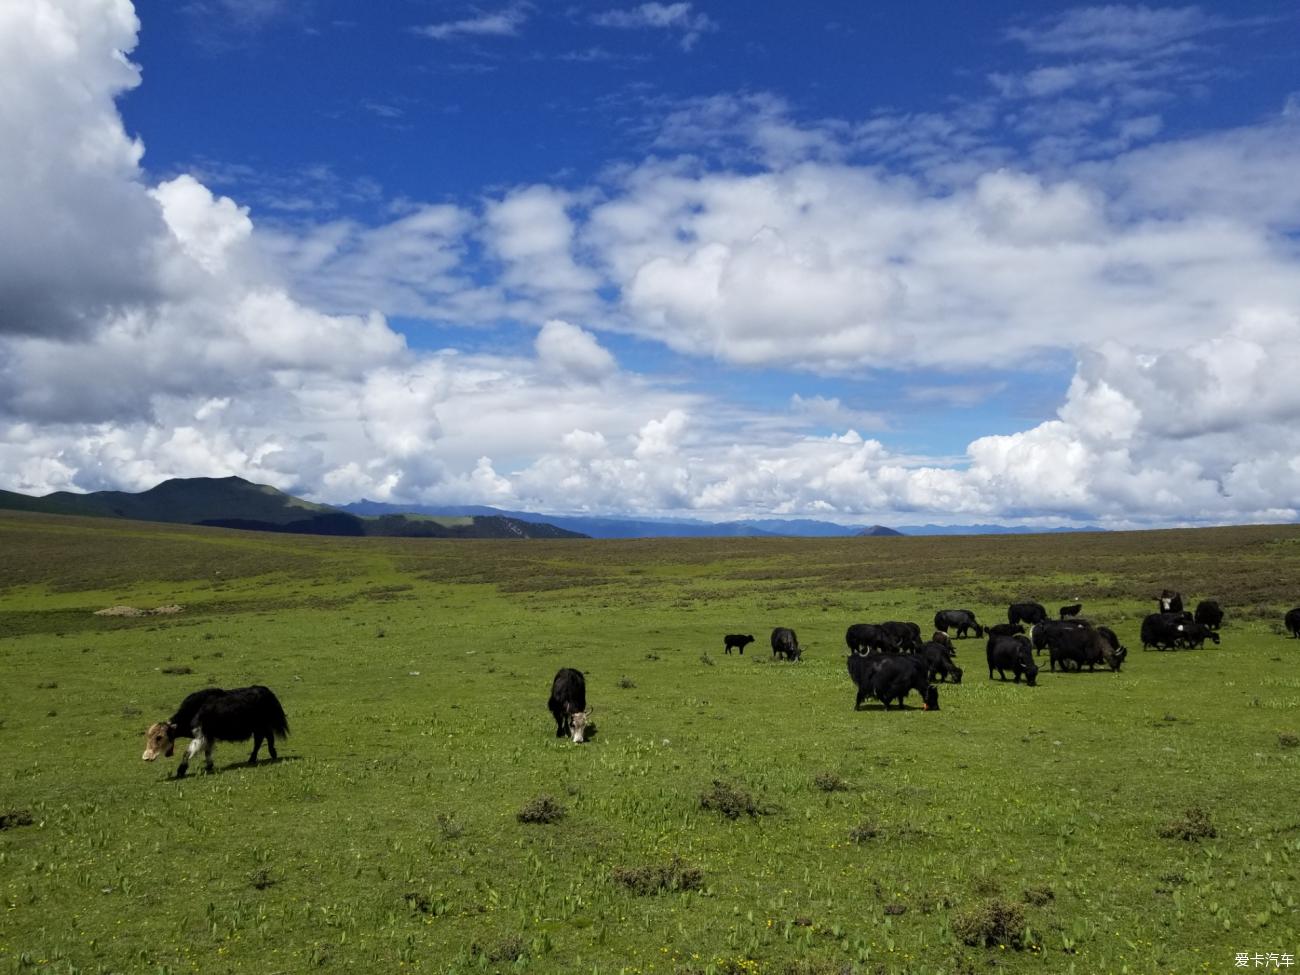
[572, 351]
[677, 17]
[144, 334]
[1115, 29]
[501, 23]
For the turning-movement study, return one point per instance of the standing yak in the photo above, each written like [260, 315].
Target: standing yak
[212, 715]
[568, 704]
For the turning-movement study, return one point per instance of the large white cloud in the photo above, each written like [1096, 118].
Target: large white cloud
[144, 333]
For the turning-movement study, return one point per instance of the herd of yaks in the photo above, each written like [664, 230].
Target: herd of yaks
[886, 661]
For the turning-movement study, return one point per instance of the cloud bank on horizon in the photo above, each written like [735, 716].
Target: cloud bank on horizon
[731, 314]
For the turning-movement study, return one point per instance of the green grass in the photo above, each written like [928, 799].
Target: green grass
[415, 675]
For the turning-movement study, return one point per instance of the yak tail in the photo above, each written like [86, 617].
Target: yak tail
[276, 721]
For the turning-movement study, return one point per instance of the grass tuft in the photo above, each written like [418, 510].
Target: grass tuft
[655, 878]
[1288, 740]
[1193, 824]
[830, 782]
[627, 683]
[16, 817]
[542, 809]
[993, 923]
[865, 830]
[1038, 896]
[730, 800]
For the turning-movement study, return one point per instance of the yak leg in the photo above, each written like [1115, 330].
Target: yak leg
[195, 744]
[257, 745]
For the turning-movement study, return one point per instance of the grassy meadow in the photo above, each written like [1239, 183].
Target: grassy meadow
[1145, 821]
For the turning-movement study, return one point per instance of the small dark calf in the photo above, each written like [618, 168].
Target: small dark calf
[738, 641]
[1209, 613]
[568, 704]
[212, 715]
[1066, 611]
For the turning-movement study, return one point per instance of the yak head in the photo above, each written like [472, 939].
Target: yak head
[160, 739]
[1031, 673]
[578, 724]
[956, 674]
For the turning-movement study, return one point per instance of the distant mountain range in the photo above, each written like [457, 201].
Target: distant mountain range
[232, 502]
[612, 527]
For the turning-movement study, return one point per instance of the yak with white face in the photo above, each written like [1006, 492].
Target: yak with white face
[568, 704]
[212, 715]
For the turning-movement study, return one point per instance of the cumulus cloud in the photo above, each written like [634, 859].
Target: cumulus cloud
[572, 351]
[144, 333]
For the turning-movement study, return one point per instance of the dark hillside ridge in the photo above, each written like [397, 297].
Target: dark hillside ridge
[233, 502]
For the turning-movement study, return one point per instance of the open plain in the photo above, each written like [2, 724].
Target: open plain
[1140, 821]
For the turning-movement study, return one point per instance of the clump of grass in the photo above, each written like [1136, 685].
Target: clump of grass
[47, 685]
[15, 817]
[1193, 824]
[894, 910]
[706, 660]
[654, 878]
[542, 809]
[730, 800]
[179, 669]
[652, 656]
[1288, 740]
[449, 826]
[510, 948]
[260, 880]
[1040, 895]
[830, 782]
[417, 901]
[866, 830]
[627, 683]
[993, 922]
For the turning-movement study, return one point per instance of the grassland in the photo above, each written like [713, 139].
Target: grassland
[415, 675]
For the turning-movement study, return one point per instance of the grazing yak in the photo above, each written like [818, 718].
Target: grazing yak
[1210, 613]
[1067, 611]
[1030, 613]
[1292, 622]
[786, 644]
[906, 636]
[737, 640]
[960, 621]
[1169, 631]
[1170, 601]
[869, 637]
[1013, 653]
[568, 704]
[1044, 634]
[212, 715]
[1084, 645]
[889, 677]
[937, 658]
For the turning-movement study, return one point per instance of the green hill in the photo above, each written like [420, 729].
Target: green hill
[233, 502]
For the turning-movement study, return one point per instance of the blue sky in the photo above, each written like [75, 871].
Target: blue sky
[867, 263]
